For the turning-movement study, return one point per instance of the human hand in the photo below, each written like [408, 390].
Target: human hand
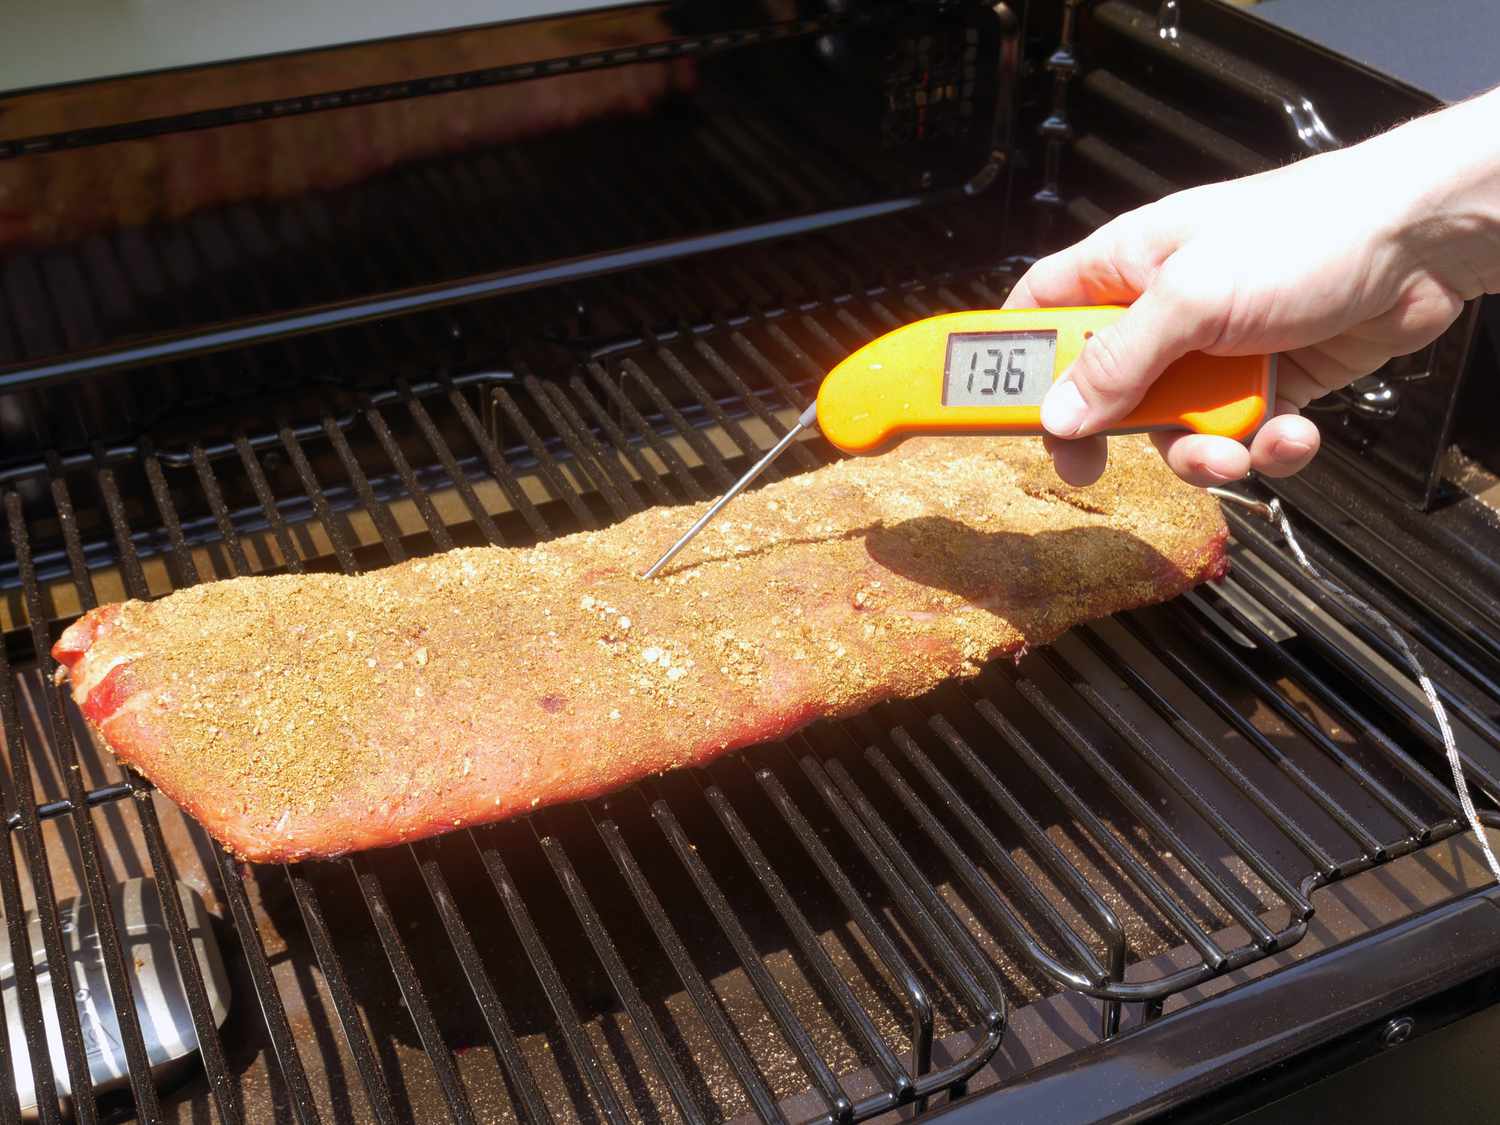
[1339, 263]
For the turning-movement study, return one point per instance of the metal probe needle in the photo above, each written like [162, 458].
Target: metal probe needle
[808, 421]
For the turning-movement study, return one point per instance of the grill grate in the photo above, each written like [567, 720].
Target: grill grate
[828, 915]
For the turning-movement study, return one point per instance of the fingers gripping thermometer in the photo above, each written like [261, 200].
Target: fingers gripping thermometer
[986, 372]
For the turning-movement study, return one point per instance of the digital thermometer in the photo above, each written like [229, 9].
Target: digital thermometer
[987, 371]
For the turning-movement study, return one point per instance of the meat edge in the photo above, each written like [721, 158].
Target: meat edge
[130, 736]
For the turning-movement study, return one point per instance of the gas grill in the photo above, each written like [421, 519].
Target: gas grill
[1186, 862]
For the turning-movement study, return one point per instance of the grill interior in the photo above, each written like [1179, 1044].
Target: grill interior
[875, 913]
[821, 929]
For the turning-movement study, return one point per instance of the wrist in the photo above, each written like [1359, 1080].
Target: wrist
[1444, 172]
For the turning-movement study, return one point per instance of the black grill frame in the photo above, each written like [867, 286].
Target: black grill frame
[576, 421]
[600, 457]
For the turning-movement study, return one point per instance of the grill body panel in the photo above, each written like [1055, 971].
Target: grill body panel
[1011, 882]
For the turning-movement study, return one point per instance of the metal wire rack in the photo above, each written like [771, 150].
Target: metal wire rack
[1146, 782]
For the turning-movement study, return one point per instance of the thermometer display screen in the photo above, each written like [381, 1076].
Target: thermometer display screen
[998, 368]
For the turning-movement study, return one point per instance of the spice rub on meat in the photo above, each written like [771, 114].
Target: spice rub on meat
[305, 716]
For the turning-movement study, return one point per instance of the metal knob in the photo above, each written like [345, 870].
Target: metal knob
[1397, 1031]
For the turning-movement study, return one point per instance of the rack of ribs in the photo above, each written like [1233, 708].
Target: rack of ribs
[305, 716]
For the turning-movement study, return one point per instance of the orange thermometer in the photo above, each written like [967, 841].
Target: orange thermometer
[987, 371]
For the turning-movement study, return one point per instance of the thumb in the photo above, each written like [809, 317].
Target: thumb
[1119, 362]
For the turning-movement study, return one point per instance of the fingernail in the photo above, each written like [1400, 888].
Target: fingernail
[1288, 449]
[1063, 410]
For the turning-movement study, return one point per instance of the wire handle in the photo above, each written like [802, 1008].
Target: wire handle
[1272, 512]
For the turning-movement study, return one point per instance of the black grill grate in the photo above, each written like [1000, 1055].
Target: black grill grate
[1143, 784]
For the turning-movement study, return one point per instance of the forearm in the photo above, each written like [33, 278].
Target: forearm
[1447, 167]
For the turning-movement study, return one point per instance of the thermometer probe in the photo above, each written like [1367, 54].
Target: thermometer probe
[986, 372]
